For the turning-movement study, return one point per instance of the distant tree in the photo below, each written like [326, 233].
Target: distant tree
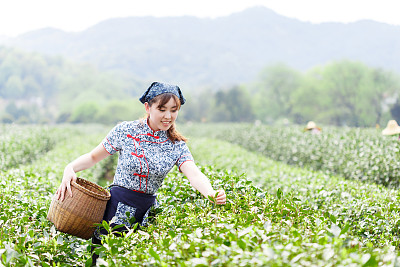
[10, 64]
[17, 112]
[239, 105]
[189, 112]
[120, 110]
[272, 93]
[310, 101]
[7, 118]
[204, 102]
[85, 112]
[344, 93]
[385, 86]
[232, 105]
[63, 117]
[198, 106]
[12, 109]
[59, 85]
[357, 92]
[220, 112]
[31, 87]
[14, 88]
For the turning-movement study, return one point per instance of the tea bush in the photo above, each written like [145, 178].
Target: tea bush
[286, 217]
[370, 211]
[353, 153]
[26, 237]
[22, 144]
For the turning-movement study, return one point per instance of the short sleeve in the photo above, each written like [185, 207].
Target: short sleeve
[185, 155]
[114, 139]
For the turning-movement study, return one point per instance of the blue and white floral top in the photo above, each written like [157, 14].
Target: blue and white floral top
[146, 156]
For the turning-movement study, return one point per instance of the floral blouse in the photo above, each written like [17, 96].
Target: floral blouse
[145, 156]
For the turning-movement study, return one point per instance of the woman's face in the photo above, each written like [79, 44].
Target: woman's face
[162, 118]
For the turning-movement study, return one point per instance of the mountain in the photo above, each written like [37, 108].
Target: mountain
[214, 52]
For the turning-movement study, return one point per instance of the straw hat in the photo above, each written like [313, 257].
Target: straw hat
[311, 125]
[391, 128]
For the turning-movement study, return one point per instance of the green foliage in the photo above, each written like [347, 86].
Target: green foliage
[365, 211]
[13, 88]
[340, 93]
[40, 88]
[85, 112]
[120, 110]
[199, 106]
[23, 144]
[274, 91]
[26, 237]
[357, 93]
[228, 50]
[354, 153]
[302, 218]
[232, 105]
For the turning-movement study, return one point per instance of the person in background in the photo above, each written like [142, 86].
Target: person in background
[148, 149]
[392, 128]
[313, 128]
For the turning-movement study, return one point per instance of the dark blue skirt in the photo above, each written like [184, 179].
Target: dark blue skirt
[125, 207]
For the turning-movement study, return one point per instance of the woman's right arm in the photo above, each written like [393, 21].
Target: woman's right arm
[82, 163]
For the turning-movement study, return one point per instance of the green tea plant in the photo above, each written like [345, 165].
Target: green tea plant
[253, 229]
[26, 237]
[369, 211]
[286, 217]
[22, 144]
[353, 153]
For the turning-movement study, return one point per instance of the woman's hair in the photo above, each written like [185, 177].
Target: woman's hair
[163, 99]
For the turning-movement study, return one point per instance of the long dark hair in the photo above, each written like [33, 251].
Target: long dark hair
[163, 99]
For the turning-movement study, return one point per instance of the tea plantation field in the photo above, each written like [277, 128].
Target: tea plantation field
[283, 208]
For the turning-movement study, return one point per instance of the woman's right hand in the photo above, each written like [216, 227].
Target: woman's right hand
[69, 175]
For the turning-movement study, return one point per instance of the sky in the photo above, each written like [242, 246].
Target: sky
[21, 16]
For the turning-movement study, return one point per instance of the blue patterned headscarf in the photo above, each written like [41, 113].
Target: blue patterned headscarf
[157, 88]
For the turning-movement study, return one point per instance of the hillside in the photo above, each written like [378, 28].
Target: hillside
[38, 89]
[198, 52]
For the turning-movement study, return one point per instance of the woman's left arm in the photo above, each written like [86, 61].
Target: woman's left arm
[199, 181]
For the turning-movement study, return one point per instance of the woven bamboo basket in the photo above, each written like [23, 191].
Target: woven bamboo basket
[77, 215]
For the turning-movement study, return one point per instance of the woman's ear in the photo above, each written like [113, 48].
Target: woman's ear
[147, 107]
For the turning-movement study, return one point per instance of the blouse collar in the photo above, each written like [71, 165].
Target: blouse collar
[158, 133]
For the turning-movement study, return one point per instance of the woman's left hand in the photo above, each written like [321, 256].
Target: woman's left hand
[221, 197]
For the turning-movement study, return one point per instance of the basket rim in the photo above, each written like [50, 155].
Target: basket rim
[105, 196]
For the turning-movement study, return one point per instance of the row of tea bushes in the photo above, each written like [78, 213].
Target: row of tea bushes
[255, 228]
[355, 153]
[371, 212]
[252, 229]
[22, 144]
[284, 227]
[26, 237]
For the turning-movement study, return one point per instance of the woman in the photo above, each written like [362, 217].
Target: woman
[148, 149]
[313, 128]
